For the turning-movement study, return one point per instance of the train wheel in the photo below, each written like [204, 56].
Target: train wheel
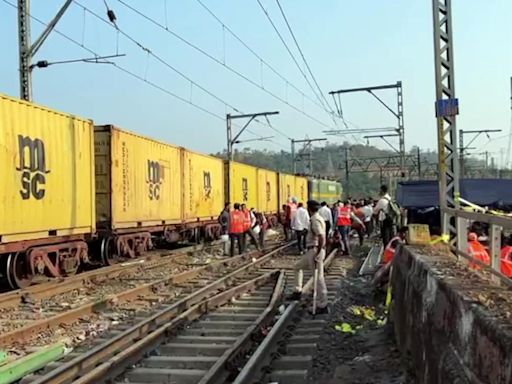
[17, 271]
[109, 254]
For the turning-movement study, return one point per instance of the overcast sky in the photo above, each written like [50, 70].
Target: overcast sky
[346, 44]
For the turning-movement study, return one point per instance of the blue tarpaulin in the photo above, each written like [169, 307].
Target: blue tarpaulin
[494, 193]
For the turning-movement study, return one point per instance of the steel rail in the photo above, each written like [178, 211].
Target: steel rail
[87, 361]
[220, 370]
[263, 354]
[118, 363]
[27, 332]
[58, 286]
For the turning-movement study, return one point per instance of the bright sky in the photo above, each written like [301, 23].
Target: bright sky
[346, 43]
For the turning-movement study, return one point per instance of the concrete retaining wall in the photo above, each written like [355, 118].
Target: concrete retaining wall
[441, 326]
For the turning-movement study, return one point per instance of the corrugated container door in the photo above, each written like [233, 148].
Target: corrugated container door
[47, 168]
[267, 191]
[203, 186]
[146, 181]
[286, 188]
[243, 184]
[301, 189]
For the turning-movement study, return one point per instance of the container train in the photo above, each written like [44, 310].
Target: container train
[73, 193]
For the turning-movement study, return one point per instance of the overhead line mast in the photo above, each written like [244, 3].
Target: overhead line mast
[447, 107]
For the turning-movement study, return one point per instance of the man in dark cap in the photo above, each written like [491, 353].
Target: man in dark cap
[313, 258]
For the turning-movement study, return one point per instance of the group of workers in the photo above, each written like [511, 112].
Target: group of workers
[341, 219]
[478, 251]
[322, 224]
[238, 224]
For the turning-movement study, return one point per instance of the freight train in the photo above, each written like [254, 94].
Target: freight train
[74, 194]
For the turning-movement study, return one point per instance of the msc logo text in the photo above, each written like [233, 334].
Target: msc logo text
[155, 178]
[32, 167]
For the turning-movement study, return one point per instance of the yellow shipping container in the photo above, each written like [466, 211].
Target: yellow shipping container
[138, 180]
[301, 189]
[203, 186]
[242, 184]
[47, 168]
[267, 191]
[286, 188]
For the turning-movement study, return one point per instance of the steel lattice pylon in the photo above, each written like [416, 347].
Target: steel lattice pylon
[446, 111]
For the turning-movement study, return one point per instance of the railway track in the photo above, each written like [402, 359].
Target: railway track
[287, 353]
[208, 333]
[188, 288]
[80, 307]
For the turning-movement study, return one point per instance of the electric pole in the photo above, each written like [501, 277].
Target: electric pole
[510, 129]
[347, 173]
[231, 141]
[447, 108]
[27, 50]
[463, 148]
[307, 146]
[399, 113]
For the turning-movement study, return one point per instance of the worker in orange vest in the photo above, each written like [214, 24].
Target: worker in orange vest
[248, 221]
[381, 277]
[236, 229]
[344, 223]
[477, 251]
[389, 251]
[506, 258]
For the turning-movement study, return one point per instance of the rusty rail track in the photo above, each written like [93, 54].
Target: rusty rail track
[23, 334]
[98, 359]
[57, 286]
[286, 353]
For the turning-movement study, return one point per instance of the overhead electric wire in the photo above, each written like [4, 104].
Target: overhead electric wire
[138, 77]
[170, 66]
[320, 98]
[218, 61]
[302, 55]
[290, 52]
[261, 59]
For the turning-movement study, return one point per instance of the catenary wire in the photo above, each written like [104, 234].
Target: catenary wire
[303, 57]
[150, 52]
[138, 77]
[261, 59]
[218, 61]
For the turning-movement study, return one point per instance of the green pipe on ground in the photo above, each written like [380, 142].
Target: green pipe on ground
[28, 364]
[3, 357]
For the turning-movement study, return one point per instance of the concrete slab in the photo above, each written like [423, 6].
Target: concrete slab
[161, 375]
[183, 349]
[180, 362]
[453, 323]
[289, 377]
[293, 362]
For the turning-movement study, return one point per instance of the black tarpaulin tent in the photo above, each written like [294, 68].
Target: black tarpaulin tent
[496, 193]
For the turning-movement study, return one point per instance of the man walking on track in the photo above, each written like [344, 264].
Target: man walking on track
[236, 229]
[326, 214]
[345, 217]
[313, 259]
[224, 223]
[248, 223]
[300, 224]
[382, 211]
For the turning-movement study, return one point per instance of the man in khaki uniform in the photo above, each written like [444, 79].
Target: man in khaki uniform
[314, 257]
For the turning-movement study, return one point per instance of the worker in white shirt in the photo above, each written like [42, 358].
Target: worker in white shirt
[367, 210]
[381, 212]
[300, 224]
[326, 214]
